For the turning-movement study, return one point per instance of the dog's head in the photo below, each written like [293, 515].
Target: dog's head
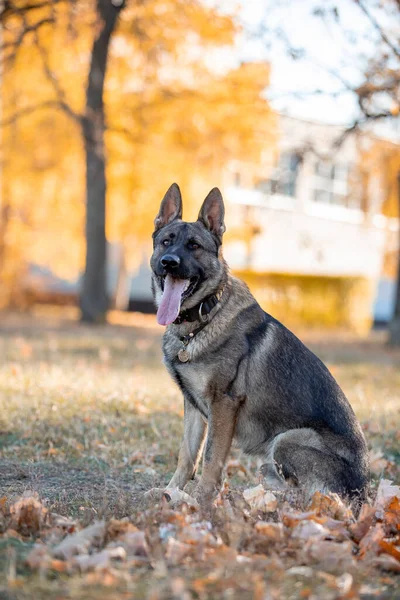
[187, 264]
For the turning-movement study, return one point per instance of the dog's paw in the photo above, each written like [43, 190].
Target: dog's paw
[204, 496]
[173, 496]
[154, 494]
[176, 496]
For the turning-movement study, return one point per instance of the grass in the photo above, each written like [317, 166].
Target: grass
[89, 420]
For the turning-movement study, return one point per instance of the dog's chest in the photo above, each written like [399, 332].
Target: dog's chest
[193, 376]
[196, 382]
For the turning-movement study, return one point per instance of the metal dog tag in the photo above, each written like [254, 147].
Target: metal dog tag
[183, 355]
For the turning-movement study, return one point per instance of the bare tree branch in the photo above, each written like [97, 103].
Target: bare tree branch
[358, 124]
[25, 112]
[16, 44]
[378, 28]
[53, 80]
[12, 9]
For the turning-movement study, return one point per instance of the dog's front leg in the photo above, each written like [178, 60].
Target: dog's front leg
[191, 446]
[221, 428]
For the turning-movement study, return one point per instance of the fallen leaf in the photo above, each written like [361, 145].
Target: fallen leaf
[386, 491]
[328, 578]
[100, 560]
[115, 528]
[259, 499]
[242, 559]
[345, 584]
[334, 529]
[291, 519]
[225, 507]
[330, 556]
[63, 522]
[308, 530]
[273, 531]
[330, 505]
[337, 529]
[28, 515]
[58, 565]
[300, 571]
[388, 563]
[81, 541]
[199, 533]
[134, 543]
[366, 518]
[391, 517]
[177, 551]
[236, 467]
[370, 543]
[389, 548]
[224, 490]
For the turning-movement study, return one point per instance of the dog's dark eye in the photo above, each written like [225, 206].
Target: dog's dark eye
[193, 246]
[165, 242]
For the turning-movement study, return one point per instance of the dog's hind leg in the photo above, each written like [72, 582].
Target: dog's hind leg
[301, 457]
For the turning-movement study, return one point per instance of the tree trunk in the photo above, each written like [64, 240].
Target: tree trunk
[394, 338]
[94, 297]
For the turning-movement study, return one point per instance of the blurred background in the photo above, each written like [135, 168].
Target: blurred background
[291, 107]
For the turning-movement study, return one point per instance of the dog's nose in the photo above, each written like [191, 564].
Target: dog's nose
[170, 260]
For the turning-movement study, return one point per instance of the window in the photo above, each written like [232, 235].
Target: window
[288, 167]
[236, 179]
[264, 186]
[284, 177]
[331, 182]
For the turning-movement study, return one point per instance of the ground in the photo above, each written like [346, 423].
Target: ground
[90, 420]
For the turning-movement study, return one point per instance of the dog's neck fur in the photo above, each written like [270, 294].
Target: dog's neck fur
[202, 310]
[235, 292]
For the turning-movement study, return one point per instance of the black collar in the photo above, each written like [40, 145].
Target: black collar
[201, 311]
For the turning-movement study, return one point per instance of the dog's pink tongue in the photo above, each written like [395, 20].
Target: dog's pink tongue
[171, 300]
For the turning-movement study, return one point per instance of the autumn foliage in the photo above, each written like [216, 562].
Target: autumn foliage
[178, 106]
[324, 544]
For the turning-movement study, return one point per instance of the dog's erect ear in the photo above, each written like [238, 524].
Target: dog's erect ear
[212, 213]
[171, 207]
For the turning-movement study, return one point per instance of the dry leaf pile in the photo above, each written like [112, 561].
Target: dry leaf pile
[248, 541]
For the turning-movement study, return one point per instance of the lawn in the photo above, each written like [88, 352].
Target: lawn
[90, 420]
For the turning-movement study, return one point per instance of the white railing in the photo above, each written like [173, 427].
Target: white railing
[319, 210]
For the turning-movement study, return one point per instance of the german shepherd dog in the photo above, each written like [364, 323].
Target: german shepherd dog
[243, 375]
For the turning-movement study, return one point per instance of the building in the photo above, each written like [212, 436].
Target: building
[306, 229]
[317, 235]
